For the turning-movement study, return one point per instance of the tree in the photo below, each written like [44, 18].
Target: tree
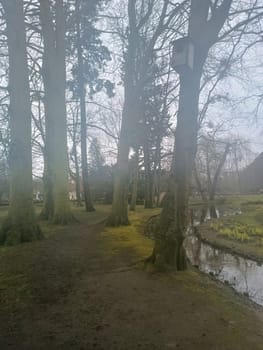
[135, 177]
[213, 152]
[135, 75]
[97, 160]
[91, 57]
[100, 174]
[57, 207]
[206, 20]
[20, 225]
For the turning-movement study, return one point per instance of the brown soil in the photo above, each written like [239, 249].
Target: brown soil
[79, 289]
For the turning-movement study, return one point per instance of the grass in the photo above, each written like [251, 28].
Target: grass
[242, 233]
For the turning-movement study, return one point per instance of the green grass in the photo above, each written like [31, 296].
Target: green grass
[242, 233]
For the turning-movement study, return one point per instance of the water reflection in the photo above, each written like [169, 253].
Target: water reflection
[244, 275]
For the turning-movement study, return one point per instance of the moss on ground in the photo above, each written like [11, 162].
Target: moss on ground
[116, 239]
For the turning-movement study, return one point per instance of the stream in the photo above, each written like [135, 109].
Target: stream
[244, 275]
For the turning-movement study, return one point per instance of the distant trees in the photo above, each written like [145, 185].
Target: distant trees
[86, 45]
[101, 174]
[20, 225]
[210, 160]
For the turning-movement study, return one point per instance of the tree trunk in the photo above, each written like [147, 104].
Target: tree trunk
[77, 175]
[148, 204]
[213, 186]
[157, 171]
[169, 250]
[54, 77]
[199, 186]
[135, 181]
[20, 225]
[82, 97]
[119, 213]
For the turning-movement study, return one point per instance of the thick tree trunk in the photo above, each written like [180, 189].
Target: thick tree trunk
[54, 76]
[169, 250]
[119, 213]
[82, 97]
[47, 212]
[20, 225]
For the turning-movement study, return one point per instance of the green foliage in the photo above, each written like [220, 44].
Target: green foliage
[95, 54]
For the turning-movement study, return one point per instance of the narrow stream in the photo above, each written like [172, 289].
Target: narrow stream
[244, 275]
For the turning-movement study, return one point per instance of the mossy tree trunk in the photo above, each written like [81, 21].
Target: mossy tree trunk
[169, 250]
[20, 225]
[54, 77]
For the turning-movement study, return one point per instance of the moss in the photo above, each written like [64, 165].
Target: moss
[19, 231]
[115, 239]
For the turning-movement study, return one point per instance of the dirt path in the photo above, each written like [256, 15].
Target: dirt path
[68, 292]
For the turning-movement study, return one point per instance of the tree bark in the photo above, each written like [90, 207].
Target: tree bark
[82, 97]
[119, 213]
[77, 174]
[135, 181]
[20, 225]
[148, 204]
[169, 250]
[54, 76]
